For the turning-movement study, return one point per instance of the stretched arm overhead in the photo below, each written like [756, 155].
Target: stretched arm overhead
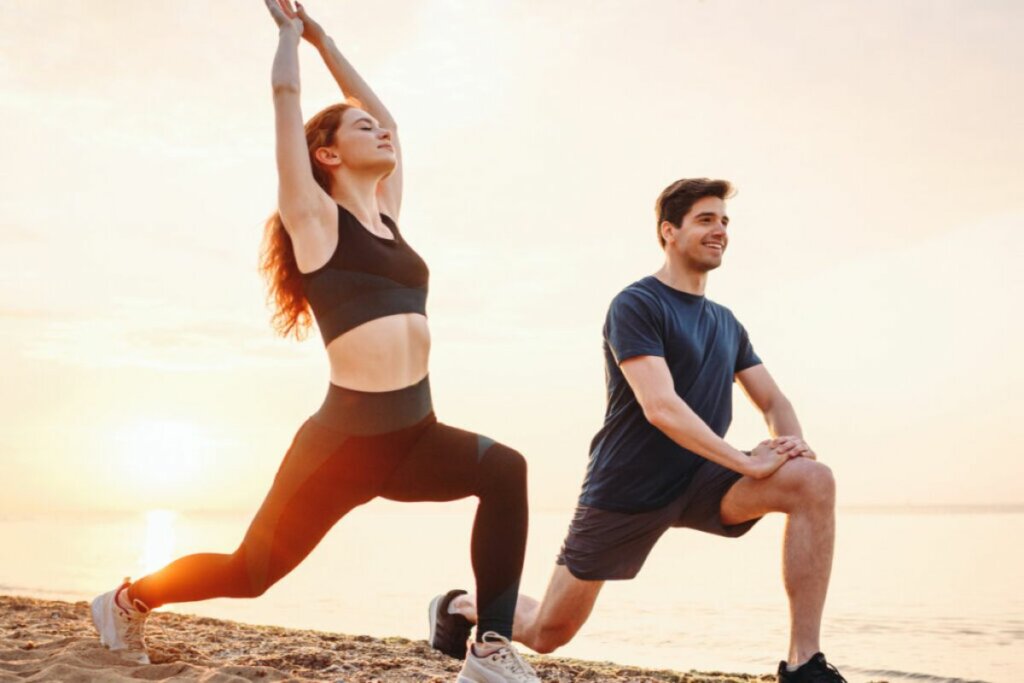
[303, 204]
[651, 382]
[389, 192]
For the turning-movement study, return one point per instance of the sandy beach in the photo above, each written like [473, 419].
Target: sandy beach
[44, 640]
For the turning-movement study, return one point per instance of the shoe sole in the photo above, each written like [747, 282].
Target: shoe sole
[432, 615]
[96, 610]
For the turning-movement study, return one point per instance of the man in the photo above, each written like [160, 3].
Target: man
[660, 461]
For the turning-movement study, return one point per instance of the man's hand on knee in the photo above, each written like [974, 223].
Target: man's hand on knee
[794, 447]
[763, 461]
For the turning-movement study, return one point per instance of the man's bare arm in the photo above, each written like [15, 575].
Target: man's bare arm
[651, 381]
[778, 412]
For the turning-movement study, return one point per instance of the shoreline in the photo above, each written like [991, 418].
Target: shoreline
[54, 640]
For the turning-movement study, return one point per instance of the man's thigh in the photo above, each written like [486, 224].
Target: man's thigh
[752, 498]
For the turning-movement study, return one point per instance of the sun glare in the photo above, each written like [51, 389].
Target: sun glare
[159, 456]
[158, 547]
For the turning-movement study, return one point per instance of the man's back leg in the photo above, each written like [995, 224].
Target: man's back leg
[549, 624]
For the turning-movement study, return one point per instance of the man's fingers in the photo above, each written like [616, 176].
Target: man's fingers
[804, 452]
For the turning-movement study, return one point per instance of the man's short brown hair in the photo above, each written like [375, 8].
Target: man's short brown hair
[678, 198]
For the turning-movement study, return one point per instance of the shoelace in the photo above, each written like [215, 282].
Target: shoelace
[520, 666]
[133, 631]
[517, 664]
[134, 621]
[829, 674]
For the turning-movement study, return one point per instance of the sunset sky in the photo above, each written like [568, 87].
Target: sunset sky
[875, 254]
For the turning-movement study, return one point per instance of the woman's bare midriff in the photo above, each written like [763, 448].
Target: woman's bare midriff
[381, 355]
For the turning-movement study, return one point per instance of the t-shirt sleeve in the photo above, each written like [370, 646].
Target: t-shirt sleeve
[745, 355]
[634, 327]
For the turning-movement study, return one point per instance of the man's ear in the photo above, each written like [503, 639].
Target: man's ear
[668, 231]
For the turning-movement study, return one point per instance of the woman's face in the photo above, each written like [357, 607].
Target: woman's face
[362, 144]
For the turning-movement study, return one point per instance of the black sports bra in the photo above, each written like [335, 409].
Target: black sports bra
[367, 277]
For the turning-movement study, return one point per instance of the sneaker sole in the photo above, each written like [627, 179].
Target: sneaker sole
[432, 615]
[436, 611]
[96, 610]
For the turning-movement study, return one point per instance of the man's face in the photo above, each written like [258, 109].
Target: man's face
[701, 239]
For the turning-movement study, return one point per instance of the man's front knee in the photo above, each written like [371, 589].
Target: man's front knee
[814, 483]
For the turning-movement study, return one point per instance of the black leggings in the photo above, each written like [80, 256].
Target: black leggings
[358, 446]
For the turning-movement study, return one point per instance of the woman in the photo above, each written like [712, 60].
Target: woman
[334, 248]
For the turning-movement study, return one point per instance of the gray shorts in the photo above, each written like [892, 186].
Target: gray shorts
[603, 545]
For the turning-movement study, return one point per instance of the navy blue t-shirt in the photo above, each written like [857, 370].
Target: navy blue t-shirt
[634, 466]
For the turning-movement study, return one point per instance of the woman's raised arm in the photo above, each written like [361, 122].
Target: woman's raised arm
[301, 201]
[353, 85]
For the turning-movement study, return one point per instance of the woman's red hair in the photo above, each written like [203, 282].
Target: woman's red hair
[292, 315]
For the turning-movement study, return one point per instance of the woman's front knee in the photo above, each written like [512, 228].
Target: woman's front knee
[499, 463]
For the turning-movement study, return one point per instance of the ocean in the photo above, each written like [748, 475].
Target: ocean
[918, 595]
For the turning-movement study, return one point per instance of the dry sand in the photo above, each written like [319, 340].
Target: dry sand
[43, 640]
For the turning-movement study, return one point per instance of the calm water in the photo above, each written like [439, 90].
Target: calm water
[927, 595]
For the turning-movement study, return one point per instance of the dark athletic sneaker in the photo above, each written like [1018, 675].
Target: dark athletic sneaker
[448, 632]
[815, 670]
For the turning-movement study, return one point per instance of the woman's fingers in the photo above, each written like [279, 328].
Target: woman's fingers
[279, 11]
[286, 7]
[313, 32]
[275, 11]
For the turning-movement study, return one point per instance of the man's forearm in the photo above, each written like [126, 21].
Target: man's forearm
[682, 425]
[781, 420]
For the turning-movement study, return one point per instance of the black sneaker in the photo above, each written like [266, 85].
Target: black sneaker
[448, 632]
[814, 670]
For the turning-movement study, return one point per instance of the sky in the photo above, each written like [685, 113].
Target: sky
[874, 256]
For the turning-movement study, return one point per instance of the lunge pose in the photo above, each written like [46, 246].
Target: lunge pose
[334, 252]
[660, 459]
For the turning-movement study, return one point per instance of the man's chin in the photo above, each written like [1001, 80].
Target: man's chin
[708, 266]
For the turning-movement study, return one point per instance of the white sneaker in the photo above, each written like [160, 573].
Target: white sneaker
[504, 665]
[120, 625]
